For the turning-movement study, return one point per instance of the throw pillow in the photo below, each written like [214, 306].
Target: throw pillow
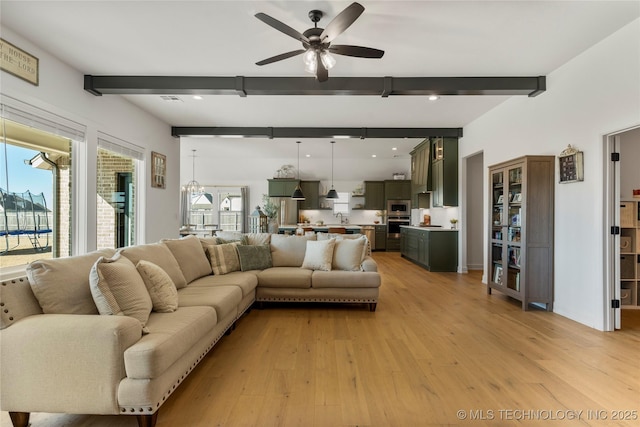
[242, 240]
[163, 293]
[258, 238]
[288, 251]
[254, 257]
[61, 285]
[349, 253]
[318, 255]
[118, 289]
[158, 254]
[224, 258]
[191, 258]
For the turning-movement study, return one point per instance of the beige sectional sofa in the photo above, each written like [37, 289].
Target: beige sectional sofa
[116, 333]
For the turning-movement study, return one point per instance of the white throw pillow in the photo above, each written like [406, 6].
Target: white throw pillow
[318, 255]
[118, 289]
[349, 253]
[162, 291]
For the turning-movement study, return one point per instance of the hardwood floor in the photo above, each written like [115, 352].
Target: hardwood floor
[438, 351]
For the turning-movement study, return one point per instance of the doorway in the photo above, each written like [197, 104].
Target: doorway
[622, 216]
[474, 208]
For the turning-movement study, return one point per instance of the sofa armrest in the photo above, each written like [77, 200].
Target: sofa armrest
[368, 264]
[65, 362]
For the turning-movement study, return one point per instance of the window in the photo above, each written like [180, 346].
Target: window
[35, 201]
[341, 204]
[117, 181]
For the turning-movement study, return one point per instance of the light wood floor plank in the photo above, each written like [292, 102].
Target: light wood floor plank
[436, 345]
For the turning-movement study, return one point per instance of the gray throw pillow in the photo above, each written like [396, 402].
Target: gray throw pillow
[254, 257]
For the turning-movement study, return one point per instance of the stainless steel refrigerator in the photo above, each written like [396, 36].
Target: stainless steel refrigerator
[288, 211]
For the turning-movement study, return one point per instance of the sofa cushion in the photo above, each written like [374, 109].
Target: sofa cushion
[247, 282]
[285, 277]
[229, 235]
[171, 336]
[224, 299]
[223, 258]
[258, 238]
[288, 251]
[61, 285]
[345, 279]
[318, 254]
[118, 289]
[349, 253]
[206, 241]
[162, 291]
[254, 257]
[190, 256]
[161, 256]
[326, 236]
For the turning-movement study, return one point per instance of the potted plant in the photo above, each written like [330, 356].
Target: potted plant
[271, 211]
[454, 223]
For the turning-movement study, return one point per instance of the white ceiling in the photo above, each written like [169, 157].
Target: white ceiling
[223, 38]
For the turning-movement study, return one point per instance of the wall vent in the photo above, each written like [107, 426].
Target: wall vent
[170, 98]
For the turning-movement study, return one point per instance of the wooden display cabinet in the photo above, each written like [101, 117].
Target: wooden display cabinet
[521, 193]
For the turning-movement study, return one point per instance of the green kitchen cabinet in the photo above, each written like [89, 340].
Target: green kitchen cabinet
[435, 250]
[397, 189]
[282, 187]
[374, 195]
[444, 172]
[311, 191]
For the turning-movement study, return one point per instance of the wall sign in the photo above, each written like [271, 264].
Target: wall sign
[571, 165]
[21, 64]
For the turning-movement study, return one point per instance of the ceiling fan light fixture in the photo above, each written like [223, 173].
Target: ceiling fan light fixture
[328, 60]
[311, 67]
[309, 56]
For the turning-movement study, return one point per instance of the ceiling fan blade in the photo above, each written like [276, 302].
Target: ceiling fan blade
[322, 74]
[281, 57]
[284, 28]
[359, 51]
[341, 22]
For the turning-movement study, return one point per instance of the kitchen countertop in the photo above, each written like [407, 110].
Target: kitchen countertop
[322, 227]
[415, 227]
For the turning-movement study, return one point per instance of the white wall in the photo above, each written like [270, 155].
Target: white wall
[61, 92]
[592, 95]
[629, 158]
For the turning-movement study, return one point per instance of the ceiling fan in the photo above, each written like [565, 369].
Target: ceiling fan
[317, 41]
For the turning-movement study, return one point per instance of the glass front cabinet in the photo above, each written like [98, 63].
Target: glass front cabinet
[521, 230]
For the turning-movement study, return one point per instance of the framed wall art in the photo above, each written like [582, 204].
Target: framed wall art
[571, 165]
[158, 170]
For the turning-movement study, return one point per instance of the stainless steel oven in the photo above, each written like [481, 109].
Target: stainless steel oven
[393, 226]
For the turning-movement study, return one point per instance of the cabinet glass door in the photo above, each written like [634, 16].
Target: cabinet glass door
[514, 227]
[497, 227]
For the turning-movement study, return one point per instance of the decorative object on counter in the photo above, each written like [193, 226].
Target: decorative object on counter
[332, 194]
[381, 214]
[320, 223]
[636, 193]
[303, 219]
[571, 165]
[258, 221]
[297, 193]
[454, 223]
[398, 176]
[285, 171]
[426, 219]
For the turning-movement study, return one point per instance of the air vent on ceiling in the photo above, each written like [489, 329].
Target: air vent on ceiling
[170, 98]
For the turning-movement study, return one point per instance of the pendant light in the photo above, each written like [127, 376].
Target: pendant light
[297, 193]
[332, 194]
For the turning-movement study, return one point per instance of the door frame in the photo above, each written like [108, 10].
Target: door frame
[611, 192]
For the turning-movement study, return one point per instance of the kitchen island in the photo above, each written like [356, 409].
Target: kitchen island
[291, 228]
[434, 248]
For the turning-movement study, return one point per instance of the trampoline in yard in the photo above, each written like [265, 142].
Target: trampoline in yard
[24, 214]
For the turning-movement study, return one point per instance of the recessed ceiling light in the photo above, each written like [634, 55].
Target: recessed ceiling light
[395, 148]
[433, 97]
[197, 97]
[308, 155]
[373, 155]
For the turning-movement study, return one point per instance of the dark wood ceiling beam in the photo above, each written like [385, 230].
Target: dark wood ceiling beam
[373, 86]
[315, 132]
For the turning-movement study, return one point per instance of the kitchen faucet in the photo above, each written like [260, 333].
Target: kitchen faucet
[342, 220]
